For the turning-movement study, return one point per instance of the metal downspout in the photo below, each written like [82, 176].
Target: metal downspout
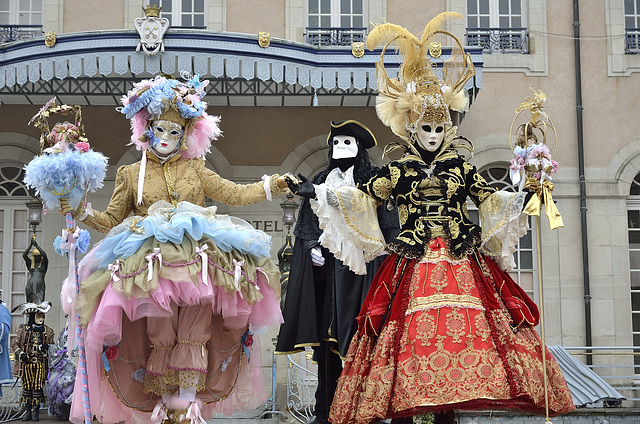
[583, 188]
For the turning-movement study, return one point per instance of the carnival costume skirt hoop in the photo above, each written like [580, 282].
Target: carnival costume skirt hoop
[434, 334]
[169, 302]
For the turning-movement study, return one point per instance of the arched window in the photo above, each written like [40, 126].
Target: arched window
[525, 273]
[11, 184]
[14, 236]
[633, 231]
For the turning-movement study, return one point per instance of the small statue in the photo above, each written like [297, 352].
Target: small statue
[31, 347]
[37, 263]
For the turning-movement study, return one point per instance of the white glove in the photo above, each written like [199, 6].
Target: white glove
[316, 256]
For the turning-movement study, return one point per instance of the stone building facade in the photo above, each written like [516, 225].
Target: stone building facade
[276, 103]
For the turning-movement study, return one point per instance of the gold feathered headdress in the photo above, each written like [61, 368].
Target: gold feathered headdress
[423, 91]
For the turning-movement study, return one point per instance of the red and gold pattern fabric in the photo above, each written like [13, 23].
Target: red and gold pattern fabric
[434, 334]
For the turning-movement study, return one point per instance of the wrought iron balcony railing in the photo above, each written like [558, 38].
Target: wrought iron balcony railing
[9, 33]
[632, 41]
[499, 40]
[326, 36]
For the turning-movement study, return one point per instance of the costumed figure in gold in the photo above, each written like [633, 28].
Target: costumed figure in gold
[443, 326]
[169, 299]
[31, 348]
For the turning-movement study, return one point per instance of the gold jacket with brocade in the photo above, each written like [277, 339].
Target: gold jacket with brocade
[176, 180]
[431, 201]
[29, 341]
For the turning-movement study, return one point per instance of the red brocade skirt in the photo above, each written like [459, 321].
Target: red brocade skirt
[440, 333]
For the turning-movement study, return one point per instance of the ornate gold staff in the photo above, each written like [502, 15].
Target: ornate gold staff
[531, 168]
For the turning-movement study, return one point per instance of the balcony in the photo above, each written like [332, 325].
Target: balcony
[329, 36]
[9, 33]
[632, 41]
[499, 40]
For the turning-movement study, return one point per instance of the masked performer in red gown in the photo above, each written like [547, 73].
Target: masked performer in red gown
[443, 326]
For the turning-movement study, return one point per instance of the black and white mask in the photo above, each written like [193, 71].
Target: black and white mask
[344, 147]
[430, 135]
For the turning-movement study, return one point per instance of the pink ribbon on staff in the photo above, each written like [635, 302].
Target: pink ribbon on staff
[155, 255]
[205, 262]
[88, 211]
[69, 245]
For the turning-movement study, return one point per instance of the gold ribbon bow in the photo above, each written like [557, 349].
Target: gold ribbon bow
[535, 203]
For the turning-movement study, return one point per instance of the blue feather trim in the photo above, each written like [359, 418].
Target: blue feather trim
[65, 175]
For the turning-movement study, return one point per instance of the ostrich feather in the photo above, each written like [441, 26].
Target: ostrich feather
[406, 44]
[434, 24]
[65, 175]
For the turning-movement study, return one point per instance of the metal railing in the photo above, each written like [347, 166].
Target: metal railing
[332, 36]
[9, 33]
[616, 365]
[302, 382]
[499, 40]
[632, 40]
[10, 406]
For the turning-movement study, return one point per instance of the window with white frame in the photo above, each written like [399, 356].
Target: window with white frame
[632, 14]
[632, 26]
[14, 237]
[633, 231]
[21, 12]
[526, 267]
[184, 13]
[336, 22]
[497, 25]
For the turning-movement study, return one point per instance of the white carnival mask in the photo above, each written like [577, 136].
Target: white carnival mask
[167, 136]
[430, 135]
[344, 147]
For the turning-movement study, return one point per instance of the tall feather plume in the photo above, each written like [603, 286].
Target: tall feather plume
[406, 44]
[434, 25]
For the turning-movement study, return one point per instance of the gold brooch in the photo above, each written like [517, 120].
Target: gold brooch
[136, 225]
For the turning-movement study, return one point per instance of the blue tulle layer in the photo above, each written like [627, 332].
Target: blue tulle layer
[65, 175]
[169, 225]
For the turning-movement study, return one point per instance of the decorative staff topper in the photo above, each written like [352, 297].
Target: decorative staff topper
[67, 167]
[533, 165]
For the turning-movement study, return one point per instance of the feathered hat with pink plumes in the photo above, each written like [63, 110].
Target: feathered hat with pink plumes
[170, 99]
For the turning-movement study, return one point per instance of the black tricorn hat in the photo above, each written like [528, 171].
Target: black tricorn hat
[354, 129]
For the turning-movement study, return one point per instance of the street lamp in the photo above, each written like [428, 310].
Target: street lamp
[34, 217]
[289, 207]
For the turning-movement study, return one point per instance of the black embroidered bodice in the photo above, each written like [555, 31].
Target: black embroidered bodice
[431, 201]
